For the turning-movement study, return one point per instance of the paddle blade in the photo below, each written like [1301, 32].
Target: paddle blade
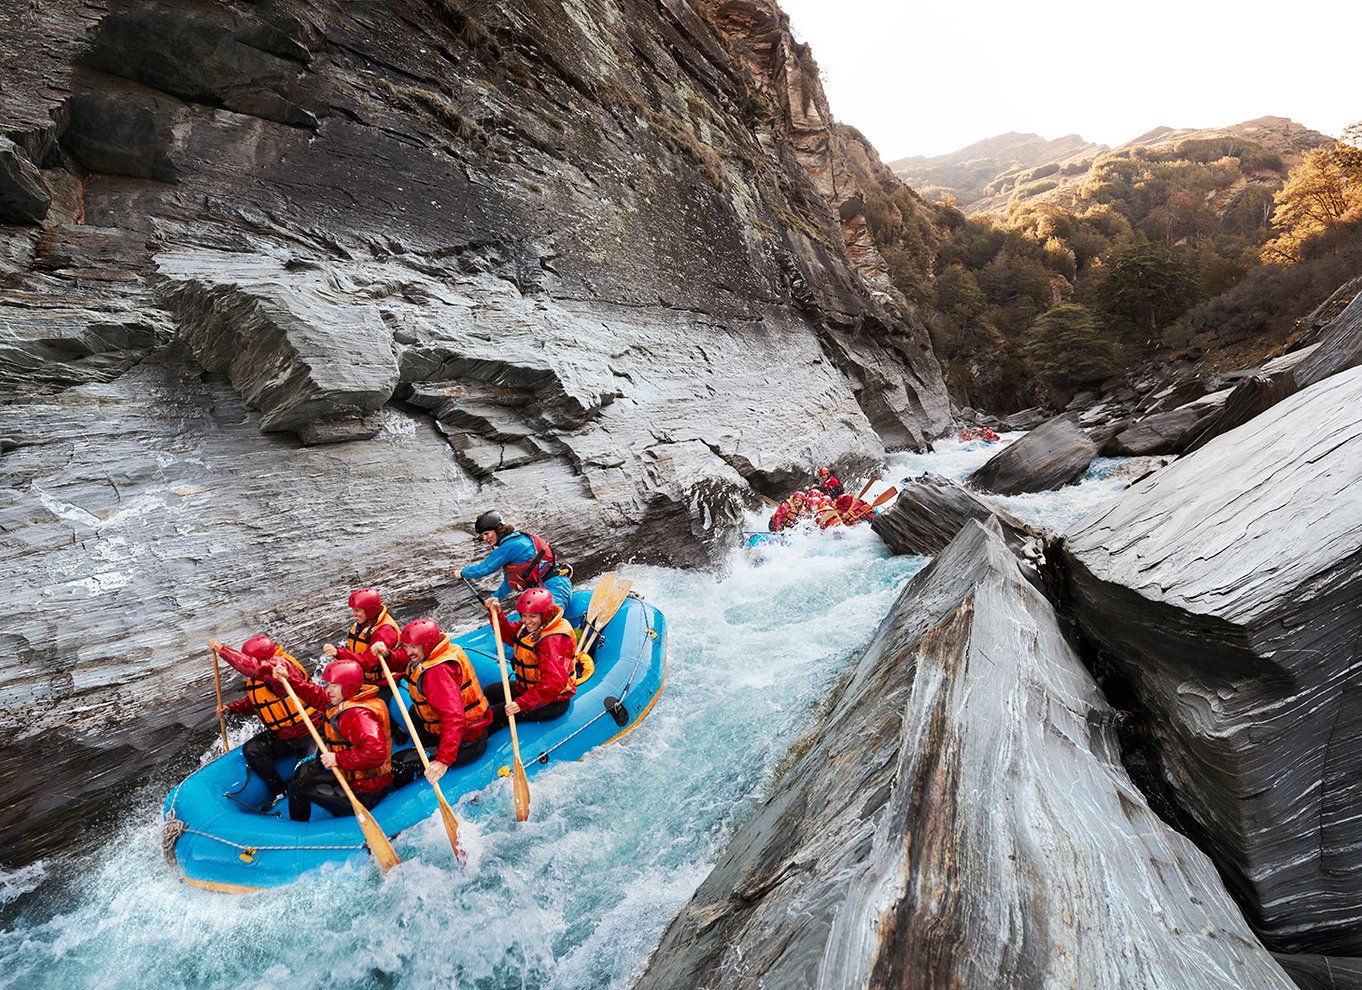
[451, 828]
[867, 486]
[378, 842]
[885, 496]
[599, 594]
[522, 792]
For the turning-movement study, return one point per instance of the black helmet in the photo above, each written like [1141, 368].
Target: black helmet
[490, 519]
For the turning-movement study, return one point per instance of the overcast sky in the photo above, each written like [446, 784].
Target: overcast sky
[925, 78]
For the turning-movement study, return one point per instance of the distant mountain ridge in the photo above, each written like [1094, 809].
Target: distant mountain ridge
[992, 175]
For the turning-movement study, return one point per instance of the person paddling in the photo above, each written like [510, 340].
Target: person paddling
[358, 740]
[372, 625]
[527, 561]
[544, 655]
[448, 707]
[285, 735]
[853, 509]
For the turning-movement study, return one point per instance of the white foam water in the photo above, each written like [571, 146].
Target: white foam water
[578, 896]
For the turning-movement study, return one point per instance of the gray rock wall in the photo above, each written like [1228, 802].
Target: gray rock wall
[962, 819]
[1226, 590]
[1052, 455]
[561, 258]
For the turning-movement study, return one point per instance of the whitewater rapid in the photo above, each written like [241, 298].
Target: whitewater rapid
[578, 896]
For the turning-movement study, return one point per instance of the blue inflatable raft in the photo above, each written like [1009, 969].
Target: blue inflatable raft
[214, 834]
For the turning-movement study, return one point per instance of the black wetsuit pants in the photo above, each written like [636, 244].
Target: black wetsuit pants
[315, 784]
[496, 697]
[263, 748]
[407, 765]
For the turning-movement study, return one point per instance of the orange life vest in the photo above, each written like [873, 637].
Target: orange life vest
[474, 701]
[365, 697]
[525, 659]
[274, 709]
[359, 638]
[858, 512]
[828, 516]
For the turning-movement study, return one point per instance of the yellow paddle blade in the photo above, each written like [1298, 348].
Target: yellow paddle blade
[599, 594]
[451, 827]
[521, 787]
[885, 496]
[378, 842]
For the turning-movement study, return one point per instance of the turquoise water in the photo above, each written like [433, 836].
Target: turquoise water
[575, 898]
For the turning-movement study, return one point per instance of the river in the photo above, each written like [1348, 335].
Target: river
[578, 896]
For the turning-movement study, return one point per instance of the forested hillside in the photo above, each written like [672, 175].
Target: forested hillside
[1180, 247]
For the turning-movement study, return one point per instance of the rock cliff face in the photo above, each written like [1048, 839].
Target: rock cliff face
[292, 290]
[962, 820]
[1225, 592]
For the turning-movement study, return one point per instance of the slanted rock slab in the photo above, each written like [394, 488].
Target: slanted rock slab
[1226, 590]
[929, 511]
[962, 819]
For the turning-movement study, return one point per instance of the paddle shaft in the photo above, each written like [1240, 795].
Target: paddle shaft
[217, 687]
[520, 785]
[505, 682]
[451, 824]
[378, 842]
[867, 486]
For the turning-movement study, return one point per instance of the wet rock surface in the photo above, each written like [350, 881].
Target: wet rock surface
[1050, 456]
[345, 275]
[929, 511]
[1168, 432]
[1224, 591]
[962, 819]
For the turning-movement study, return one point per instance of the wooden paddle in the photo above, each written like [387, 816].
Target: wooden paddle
[217, 686]
[519, 783]
[867, 486]
[378, 842]
[599, 613]
[885, 496]
[446, 812]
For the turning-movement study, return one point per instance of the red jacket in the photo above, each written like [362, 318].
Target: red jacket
[557, 663]
[443, 693]
[386, 635]
[250, 667]
[831, 486]
[361, 729]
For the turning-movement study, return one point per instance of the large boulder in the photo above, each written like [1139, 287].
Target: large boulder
[1050, 456]
[1339, 348]
[1167, 432]
[962, 819]
[929, 511]
[1224, 591]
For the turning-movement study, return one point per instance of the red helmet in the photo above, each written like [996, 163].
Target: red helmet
[797, 497]
[260, 647]
[823, 472]
[367, 599]
[535, 601]
[347, 674]
[423, 633]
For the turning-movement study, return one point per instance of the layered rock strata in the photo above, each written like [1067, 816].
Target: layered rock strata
[962, 819]
[1225, 591]
[293, 290]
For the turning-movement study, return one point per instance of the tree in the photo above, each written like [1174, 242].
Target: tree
[1324, 189]
[1066, 348]
[1144, 287]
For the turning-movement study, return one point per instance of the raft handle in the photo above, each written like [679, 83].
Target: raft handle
[617, 711]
